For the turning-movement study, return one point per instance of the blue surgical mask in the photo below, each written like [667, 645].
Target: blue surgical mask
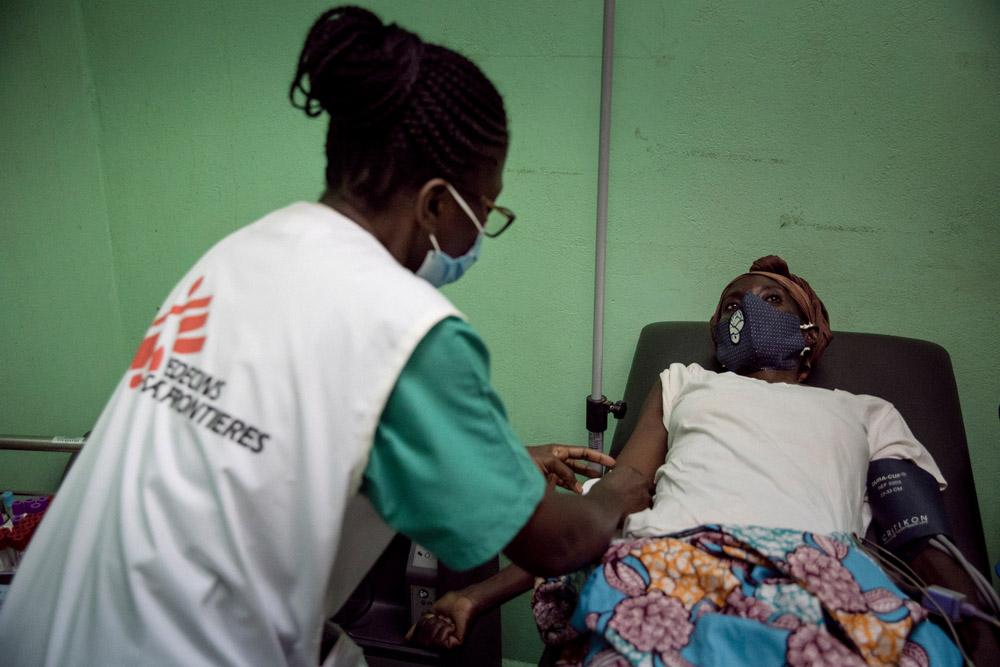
[439, 268]
[758, 336]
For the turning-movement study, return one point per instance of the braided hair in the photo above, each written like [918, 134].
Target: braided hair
[402, 111]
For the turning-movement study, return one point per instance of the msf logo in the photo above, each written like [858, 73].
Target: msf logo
[193, 315]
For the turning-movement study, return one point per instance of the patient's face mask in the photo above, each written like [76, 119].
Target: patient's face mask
[439, 268]
[758, 336]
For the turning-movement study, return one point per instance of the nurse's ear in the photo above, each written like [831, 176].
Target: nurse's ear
[431, 204]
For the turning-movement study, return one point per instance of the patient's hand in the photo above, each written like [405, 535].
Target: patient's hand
[561, 463]
[444, 626]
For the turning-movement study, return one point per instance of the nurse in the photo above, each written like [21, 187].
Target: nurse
[304, 393]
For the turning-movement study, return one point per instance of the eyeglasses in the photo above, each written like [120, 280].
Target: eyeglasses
[498, 219]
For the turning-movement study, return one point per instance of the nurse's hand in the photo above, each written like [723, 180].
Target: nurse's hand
[561, 463]
[444, 626]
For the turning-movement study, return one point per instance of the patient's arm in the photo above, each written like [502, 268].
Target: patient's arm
[568, 531]
[646, 448]
[979, 639]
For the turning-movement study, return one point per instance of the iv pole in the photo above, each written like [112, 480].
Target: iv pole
[598, 405]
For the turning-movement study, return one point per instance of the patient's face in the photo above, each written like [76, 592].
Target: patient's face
[766, 288]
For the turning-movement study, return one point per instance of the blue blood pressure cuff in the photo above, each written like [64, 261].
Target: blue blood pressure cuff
[907, 507]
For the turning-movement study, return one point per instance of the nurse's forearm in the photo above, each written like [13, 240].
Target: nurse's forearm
[568, 531]
[502, 587]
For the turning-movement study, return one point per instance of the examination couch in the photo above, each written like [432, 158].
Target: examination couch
[914, 375]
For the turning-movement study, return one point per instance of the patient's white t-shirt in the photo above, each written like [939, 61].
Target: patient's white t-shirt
[743, 451]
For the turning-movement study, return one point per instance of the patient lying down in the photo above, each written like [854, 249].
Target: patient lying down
[746, 555]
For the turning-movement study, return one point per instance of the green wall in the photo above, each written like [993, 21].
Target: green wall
[859, 140]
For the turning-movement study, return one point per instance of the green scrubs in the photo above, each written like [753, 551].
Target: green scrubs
[446, 468]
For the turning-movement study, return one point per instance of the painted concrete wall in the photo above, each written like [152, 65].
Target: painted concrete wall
[859, 140]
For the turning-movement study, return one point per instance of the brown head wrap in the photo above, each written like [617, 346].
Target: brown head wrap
[812, 308]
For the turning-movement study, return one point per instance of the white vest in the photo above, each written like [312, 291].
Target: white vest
[214, 517]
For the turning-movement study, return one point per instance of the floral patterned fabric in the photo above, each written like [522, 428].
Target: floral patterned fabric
[737, 595]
